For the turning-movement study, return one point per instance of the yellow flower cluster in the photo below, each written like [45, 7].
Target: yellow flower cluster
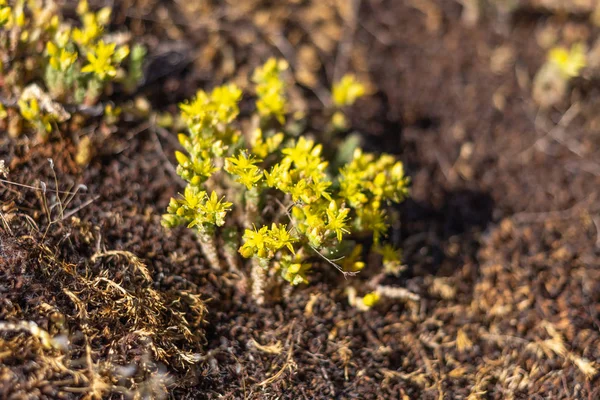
[368, 183]
[303, 207]
[197, 209]
[569, 62]
[78, 64]
[92, 24]
[293, 269]
[347, 91]
[61, 59]
[265, 242]
[41, 18]
[551, 82]
[5, 13]
[244, 168]
[102, 59]
[270, 89]
[208, 118]
[263, 147]
[30, 110]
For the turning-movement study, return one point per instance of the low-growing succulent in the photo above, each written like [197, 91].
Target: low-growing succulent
[552, 80]
[68, 65]
[294, 207]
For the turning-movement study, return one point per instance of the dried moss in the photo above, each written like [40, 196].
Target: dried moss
[91, 328]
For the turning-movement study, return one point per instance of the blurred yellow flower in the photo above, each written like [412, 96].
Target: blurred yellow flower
[569, 62]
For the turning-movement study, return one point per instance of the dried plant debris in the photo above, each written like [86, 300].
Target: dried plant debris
[91, 328]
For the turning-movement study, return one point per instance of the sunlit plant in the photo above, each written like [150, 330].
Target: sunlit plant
[562, 65]
[569, 62]
[273, 197]
[67, 65]
[344, 94]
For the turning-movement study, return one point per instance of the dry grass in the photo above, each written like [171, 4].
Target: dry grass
[91, 327]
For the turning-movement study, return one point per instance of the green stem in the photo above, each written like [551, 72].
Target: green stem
[251, 215]
[93, 92]
[230, 248]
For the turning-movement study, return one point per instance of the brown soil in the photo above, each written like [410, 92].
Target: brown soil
[501, 234]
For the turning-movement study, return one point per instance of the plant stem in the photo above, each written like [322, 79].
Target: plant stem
[209, 248]
[286, 291]
[231, 243]
[259, 279]
[251, 207]
[231, 257]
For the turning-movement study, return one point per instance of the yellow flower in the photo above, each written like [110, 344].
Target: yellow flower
[211, 111]
[30, 109]
[304, 153]
[338, 120]
[278, 177]
[89, 33]
[60, 59]
[282, 237]
[241, 162]
[194, 169]
[347, 90]
[93, 24]
[263, 148]
[63, 36]
[337, 220]
[294, 270]
[192, 197]
[5, 13]
[264, 242]
[225, 102]
[213, 210]
[371, 218]
[371, 299]
[270, 89]
[82, 7]
[569, 62]
[100, 61]
[256, 242]
[243, 166]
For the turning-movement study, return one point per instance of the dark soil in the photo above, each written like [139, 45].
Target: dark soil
[501, 234]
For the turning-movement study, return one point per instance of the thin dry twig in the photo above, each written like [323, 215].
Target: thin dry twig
[79, 208]
[132, 258]
[161, 152]
[556, 132]
[274, 348]
[289, 363]
[41, 189]
[345, 273]
[345, 46]
[596, 220]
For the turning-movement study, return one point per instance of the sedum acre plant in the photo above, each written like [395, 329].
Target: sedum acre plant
[50, 69]
[274, 198]
[552, 80]
[345, 93]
